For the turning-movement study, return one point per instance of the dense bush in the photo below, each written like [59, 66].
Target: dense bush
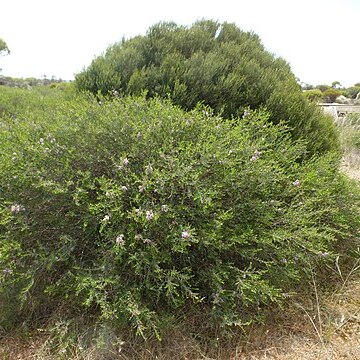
[216, 64]
[135, 210]
[315, 95]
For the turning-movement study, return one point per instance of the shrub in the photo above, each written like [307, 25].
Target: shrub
[136, 211]
[314, 95]
[215, 64]
[331, 94]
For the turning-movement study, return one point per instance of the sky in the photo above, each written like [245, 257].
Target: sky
[318, 38]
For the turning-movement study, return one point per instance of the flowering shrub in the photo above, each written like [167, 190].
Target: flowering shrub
[135, 211]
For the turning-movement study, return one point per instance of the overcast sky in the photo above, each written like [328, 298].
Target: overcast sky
[319, 38]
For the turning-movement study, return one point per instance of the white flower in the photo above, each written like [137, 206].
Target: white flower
[16, 208]
[149, 215]
[106, 218]
[125, 162]
[246, 113]
[41, 141]
[124, 188]
[141, 188]
[147, 241]
[120, 240]
[138, 212]
[296, 182]
[109, 194]
[185, 235]
[138, 237]
[164, 208]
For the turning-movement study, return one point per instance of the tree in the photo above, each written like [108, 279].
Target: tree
[216, 64]
[4, 47]
[336, 85]
[331, 94]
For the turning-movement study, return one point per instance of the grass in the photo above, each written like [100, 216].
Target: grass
[325, 327]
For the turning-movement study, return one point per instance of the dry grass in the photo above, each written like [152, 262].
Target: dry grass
[295, 333]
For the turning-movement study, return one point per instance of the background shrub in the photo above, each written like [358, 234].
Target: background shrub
[215, 64]
[135, 212]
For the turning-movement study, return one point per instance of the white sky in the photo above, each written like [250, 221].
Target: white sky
[319, 38]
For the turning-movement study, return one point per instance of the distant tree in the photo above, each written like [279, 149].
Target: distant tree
[336, 85]
[4, 47]
[305, 86]
[352, 91]
[216, 64]
[315, 95]
[323, 87]
[331, 94]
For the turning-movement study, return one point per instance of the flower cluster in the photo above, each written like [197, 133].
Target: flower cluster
[120, 240]
[149, 215]
[16, 208]
[255, 156]
[185, 235]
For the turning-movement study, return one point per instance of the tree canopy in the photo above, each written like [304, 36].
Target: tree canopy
[3, 46]
[216, 64]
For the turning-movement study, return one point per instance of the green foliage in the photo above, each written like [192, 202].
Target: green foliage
[4, 47]
[331, 94]
[352, 92]
[135, 211]
[211, 63]
[314, 95]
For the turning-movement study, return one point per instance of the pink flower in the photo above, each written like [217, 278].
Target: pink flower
[16, 208]
[120, 240]
[255, 156]
[185, 235]
[149, 215]
[125, 162]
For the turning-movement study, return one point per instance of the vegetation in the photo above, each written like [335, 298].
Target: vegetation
[330, 94]
[135, 212]
[124, 213]
[215, 64]
[32, 82]
[4, 47]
